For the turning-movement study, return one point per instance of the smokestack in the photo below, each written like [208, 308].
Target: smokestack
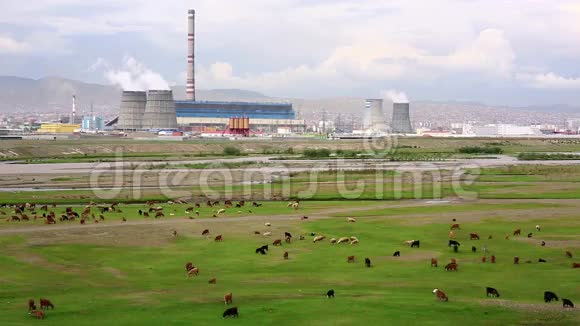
[74, 110]
[190, 83]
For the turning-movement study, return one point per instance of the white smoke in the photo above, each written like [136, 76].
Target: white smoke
[395, 96]
[135, 76]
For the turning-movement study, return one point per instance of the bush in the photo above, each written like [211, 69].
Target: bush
[316, 153]
[480, 150]
[547, 156]
[232, 151]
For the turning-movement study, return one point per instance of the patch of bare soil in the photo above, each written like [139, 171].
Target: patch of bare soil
[36, 260]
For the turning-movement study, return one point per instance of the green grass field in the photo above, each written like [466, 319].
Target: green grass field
[134, 274]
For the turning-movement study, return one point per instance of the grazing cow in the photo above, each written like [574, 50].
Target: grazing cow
[82, 221]
[219, 238]
[491, 292]
[550, 296]
[351, 219]
[529, 235]
[231, 312]
[353, 242]
[455, 227]
[288, 239]
[277, 242]
[295, 205]
[261, 251]
[45, 304]
[193, 272]
[140, 212]
[441, 296]
[483, 258]
[254, 204]
[567, 303]
[575, 265]
[433, 262]
[343, 240]
[538, 228]
[473, 249]
[287, 235]
[451, 235]
[39, 314]
[516, 260]
[453, 243]
[267, 234]
[330, 294]
[490, 237]
[31, 305]
[285, 255]
[212, 280]
[397, 254]
[350, 259]
[451, 267]
[518, 232]
[333, 240]
[159, 214]
[257, 232]
[473, 236]
[416, 244]
[541, 260]
[189, 266]
[318, 238]
[221, 211]
[174, 233]
[568, 254]
[228, 298]
[205, 232]
[492, 259]
[367, 262]
[145, 214]
[304, 218]
[267, 224]
[543, 244]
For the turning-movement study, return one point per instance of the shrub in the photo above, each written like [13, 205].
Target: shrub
[316, 153]
[480, 150]
[232, 151]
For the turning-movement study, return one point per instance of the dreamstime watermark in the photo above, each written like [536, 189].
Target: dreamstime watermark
[371, 175]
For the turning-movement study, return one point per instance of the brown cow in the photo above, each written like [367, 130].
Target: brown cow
[212, 280]
[145, 214]
[441, 296]
[288, 239]
[159, 214]
[350, 259]
[50, 220]
[575, 265]
[205, 232]
[285, 255]
[277, 242]
[228, 298]
[516, 260]
[493, 259]
[473, 236]
[189, 266]
[518, 232]
[455, 227]
[433, 262]
[193, 272]
[219, 238]
[568, 254]
[31, 305]
[453, 261]
[451, 267]
[39, 314]
[483, 259]
[45, 304]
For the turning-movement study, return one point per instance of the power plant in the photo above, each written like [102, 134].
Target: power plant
[158, 110]
[375, 116]
[401, 122]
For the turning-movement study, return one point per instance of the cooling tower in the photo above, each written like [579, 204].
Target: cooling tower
[374, 116]
[401, 123]
[160, 110]
[132, 110]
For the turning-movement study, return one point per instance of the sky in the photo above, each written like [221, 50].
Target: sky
[512, 52]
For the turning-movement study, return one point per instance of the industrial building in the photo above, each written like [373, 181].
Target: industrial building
[58, 128]
[375, 116]
[157, 109]
[401, 122]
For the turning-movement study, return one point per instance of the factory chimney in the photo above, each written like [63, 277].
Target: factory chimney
[74, 110]
[190, 83]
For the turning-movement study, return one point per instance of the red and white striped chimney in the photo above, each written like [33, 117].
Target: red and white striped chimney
[190, 83]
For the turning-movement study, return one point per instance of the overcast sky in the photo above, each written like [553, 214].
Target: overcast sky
[517, 52]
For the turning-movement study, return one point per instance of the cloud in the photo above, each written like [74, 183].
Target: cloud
[549, 80]
[98, 64]
[12, 46]
[134, 76]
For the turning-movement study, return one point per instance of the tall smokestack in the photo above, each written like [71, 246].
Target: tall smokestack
[190, 84]
[74, 110]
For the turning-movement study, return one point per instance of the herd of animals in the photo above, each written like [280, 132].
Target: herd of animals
[193, 271]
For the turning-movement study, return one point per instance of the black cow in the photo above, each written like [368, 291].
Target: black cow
[491, 292]
[543, 243]
[453, 243]
[397, 254]
[140, 212]
[261, 251]
[567, 303]
[231, 312]
[455, 248]
[541, 260]
[529, 235]
[367, 262]
[287, 235]
[330, 294]
[473, 249]
[549, 296]
[416, 244]
[264, 247]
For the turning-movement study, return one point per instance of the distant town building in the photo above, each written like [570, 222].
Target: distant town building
[500, 130]
[93, 123]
